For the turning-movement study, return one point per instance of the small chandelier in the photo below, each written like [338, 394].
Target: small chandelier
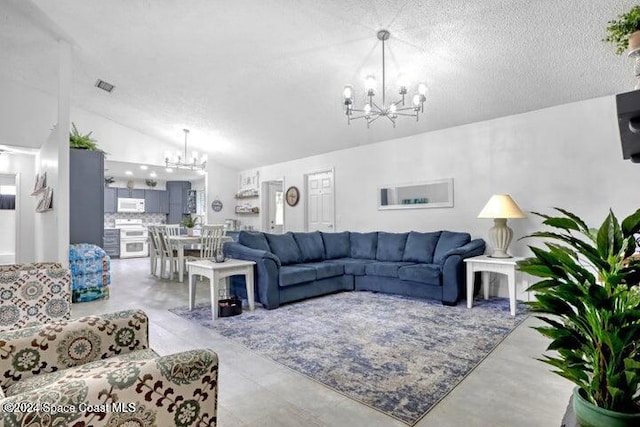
[371, 110]
[184, 161]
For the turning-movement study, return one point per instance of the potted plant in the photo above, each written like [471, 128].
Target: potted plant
[189, 222]
[589, 299]
[82, 142]
[108, 180]
[625, 31]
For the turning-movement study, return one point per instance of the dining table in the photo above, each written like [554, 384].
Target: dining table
[180, 242]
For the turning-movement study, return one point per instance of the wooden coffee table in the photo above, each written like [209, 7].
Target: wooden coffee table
[216, 271]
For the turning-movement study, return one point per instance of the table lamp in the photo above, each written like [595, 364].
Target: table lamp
[500, 207]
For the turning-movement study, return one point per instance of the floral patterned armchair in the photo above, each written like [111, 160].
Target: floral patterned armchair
[32, 294]
[99, 371]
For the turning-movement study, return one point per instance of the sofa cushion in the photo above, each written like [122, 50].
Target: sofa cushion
[284, 246]
[254, 240]
[294, 274]
[311, 246]
[363, 245]
[336, 245]
[325, 269]
[421, 246]
[351, 265]
[390, 246]
[423, 273]
[449, 240]
[384, 268]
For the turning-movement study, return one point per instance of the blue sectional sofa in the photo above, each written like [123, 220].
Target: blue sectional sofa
[295, 266]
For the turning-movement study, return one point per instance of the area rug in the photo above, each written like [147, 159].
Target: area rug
[395, 354]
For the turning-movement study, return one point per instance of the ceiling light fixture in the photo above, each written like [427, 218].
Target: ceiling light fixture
[144, 167]
[372, 111]
[181, 162]
[153, 174]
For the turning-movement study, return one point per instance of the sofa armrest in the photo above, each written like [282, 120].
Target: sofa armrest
[473, 248]
[238, 251]
[454, 279]
[267, 272]
[180, 389]
[51, 347]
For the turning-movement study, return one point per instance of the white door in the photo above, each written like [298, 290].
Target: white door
[275, 207]
[320, 206]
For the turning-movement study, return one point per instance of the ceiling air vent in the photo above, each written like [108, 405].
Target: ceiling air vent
[104, 85]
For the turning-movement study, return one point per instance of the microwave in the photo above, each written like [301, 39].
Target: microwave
[130, 205]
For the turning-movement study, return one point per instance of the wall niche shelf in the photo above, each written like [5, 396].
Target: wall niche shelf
[420, 195]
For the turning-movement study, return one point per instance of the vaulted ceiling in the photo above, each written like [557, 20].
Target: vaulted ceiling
[260, 81]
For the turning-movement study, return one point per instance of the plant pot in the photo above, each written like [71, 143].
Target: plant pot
[590, 415]
[190, 231]
[634, 43]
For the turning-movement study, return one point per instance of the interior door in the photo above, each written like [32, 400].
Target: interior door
[275, 208]
[320, 202]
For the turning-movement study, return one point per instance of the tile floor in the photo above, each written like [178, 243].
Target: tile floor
[509, 388]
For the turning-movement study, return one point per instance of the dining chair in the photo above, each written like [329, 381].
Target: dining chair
[211, 240]
[173, 229]
[155, 249]
[169, 253]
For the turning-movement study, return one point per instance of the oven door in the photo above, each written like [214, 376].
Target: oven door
[134, 248]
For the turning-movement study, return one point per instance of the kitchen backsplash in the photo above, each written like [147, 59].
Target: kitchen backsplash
[147, 218]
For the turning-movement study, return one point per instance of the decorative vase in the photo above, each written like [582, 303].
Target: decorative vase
[190, 231]
[219, 257]
[590, 415]
[634, 52]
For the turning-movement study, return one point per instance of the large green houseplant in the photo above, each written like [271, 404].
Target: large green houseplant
[589, 299]
[620, 30]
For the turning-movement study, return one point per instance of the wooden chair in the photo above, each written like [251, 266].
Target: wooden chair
[172, 230]
[155, 249]
[211, 239]
[169, 254]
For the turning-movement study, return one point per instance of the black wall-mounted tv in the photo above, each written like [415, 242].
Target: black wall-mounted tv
[628, 105]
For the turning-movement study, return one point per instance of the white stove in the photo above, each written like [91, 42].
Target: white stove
[133, 238]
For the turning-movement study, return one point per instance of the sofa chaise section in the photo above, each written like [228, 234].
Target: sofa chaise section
[295, 266]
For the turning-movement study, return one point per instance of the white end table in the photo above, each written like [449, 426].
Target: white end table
[216, 271]
[485, 264]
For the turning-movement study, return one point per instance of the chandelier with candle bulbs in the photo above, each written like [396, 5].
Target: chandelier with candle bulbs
[185, 161]
[372, 111]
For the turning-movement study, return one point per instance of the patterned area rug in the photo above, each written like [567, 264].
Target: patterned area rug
[395, 354]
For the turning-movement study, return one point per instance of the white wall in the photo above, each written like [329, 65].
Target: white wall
[23, 167]
[221, 184]
[567, 156]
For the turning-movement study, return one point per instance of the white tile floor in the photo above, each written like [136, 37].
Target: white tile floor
[509, 388]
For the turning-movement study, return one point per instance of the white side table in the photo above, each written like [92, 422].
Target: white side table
[216, 271]
[485, 264]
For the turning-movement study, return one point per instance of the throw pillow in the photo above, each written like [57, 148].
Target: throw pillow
[421, 246]
[390, 246]
[254, 240]
[336, 245]
[363, 245]
[284, 246]
[311, 245]
[449, 240]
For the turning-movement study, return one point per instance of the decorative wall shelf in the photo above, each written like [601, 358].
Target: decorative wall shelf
[253, 196]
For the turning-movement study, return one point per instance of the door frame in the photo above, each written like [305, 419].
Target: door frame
[306, 194]
[18, 220]
[264, 205]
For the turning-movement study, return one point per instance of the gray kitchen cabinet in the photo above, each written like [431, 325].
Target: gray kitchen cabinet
[111, 243]
[86, 196]
[131, 193]
[178, 192]
[110, 200]
[164, 202]
[151, 201]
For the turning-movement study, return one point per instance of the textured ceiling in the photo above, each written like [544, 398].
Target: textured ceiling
[260, 81]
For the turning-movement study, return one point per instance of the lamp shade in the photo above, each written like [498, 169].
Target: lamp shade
[501, 206]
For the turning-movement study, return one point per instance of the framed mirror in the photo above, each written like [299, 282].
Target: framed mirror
[421, 195]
